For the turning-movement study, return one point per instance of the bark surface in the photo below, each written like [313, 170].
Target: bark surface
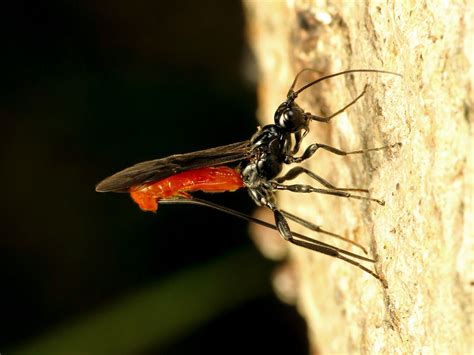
[423, 236]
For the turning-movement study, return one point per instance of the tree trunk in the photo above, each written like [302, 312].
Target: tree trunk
[423, 236]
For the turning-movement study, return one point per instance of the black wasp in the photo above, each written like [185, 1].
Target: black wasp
[254, 164]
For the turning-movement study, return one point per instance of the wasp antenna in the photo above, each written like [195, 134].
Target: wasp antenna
[292, 87]
[293, 94]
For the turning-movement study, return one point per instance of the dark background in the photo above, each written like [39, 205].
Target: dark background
[89, 88]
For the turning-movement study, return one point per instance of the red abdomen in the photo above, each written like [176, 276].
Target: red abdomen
[213, 179]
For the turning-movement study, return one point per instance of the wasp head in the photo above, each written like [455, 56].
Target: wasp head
[291, 117]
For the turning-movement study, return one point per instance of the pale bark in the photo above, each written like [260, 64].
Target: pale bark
[423, 236]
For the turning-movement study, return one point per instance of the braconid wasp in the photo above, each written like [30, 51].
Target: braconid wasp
[253, 164]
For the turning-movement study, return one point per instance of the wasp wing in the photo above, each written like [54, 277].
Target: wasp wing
[158, 169]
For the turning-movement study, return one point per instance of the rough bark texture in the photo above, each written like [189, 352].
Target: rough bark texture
[423, 236]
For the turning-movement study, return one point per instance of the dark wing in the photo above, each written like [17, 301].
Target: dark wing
[158, 169]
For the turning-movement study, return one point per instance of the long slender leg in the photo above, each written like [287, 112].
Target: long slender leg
[307, 245]
[309, 189]
[318, 229]
[286, 233]
[295, 172]
[282, 226]
[314, 147]
[230, 211]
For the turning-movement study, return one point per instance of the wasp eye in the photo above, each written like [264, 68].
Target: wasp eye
[286, 120]
[283, 117]
[288, 116]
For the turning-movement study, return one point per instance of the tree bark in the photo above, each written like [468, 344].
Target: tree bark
[423, 236]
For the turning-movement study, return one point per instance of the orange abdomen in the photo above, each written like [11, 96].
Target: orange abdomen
[213, 179]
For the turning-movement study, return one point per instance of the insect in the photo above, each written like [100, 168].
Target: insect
[254, 164]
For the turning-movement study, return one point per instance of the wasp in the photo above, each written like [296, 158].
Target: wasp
[254, 164]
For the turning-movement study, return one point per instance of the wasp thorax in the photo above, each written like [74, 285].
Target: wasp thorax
[269, 166]
[290, 117]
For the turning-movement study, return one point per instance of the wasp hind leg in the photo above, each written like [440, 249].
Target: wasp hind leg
[284, 229]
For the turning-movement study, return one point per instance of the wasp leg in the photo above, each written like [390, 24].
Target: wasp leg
[309, 189]
[209, 204]
[298, 139]
[314, 147]
[318, 229]
[284, 229]
[307, 245]
[295, 172]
